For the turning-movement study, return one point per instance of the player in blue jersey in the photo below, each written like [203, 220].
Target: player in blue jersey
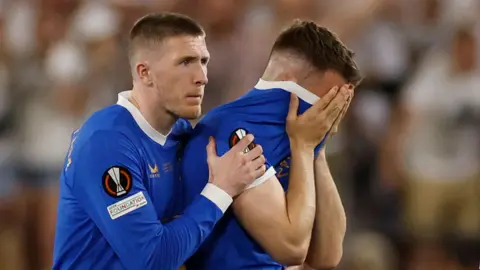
[295, 216]
[120, 173]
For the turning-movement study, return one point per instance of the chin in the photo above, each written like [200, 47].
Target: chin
[191, 114]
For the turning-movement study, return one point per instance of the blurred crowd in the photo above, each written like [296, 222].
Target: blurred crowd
[406, 160]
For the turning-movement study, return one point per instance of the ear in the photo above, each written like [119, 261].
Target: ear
[143, 73]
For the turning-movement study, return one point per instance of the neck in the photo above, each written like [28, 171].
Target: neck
[273, 75]
[278, 74]
[157, 116]
[284, 67]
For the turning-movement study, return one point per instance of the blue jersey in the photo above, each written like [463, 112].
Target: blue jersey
[262, 112]
[116, 188]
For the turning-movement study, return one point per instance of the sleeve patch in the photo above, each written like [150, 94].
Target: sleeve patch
[127, 205]
[117, 181]
[236, 136]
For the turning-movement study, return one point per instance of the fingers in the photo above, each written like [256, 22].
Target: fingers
[347, 105]
[260, 171]
[342, 114]
[255, 161]
[293, 107]
[211, 148]
[321, 104]
[255, 153]
[258, 162]
[243, 143]
[327, 98]
[335, 107]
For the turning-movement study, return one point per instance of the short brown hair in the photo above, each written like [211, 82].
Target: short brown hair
[320, 47]
[155, 27]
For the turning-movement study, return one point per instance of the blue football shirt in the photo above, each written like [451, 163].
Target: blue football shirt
[118, 183]
[262, 112]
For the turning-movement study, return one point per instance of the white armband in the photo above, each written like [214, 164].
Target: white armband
[262, 179]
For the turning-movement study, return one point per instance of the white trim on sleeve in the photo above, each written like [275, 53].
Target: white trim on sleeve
[262, 179]
[218, 196]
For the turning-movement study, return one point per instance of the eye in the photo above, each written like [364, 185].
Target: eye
[185, 62]
[204, 61]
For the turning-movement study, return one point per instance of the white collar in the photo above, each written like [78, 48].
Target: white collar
[288, 86]
[123, 100]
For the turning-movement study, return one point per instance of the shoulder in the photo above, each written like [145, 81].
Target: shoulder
[113, 117]
[98, 144]
[113, 123]
[94, 153]
[219, 122]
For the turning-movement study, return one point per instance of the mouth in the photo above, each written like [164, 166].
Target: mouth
[194, 99]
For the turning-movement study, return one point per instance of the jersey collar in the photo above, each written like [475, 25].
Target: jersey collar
[288, 86]
[141, 121]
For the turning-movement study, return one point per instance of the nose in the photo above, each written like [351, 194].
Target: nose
[201, 77]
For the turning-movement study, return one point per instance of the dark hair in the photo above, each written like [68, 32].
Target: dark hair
[320, 47]
[155, 27]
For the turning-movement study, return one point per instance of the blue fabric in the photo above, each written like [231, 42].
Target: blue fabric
[88, 237]
[262, 113]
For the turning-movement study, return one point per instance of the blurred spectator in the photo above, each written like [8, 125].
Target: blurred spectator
[6, 121]
[9, 215]
[95, 28]
[442, 145]
[371, 251]
[223, 23]
[423, 22]
[383, 53]
[436, 143]
[48, 121]
[261, 25]
[20, 20]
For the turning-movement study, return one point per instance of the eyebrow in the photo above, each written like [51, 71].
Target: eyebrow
[194, 58]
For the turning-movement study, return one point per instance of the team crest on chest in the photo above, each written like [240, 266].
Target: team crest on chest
[236, 136]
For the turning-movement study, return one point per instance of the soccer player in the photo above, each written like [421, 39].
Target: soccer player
[120, 173]
[268, 228]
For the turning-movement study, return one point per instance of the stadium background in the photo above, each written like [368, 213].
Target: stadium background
[62, 59]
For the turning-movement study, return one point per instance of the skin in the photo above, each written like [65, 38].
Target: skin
[170, 79]
[283, 223]
[169, 82]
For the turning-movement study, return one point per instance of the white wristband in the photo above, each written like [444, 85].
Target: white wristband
[218, 196]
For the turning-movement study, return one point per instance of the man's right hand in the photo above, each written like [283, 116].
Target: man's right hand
[235, 170]
[311, 127]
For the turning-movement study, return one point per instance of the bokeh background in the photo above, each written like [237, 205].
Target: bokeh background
[406, 160]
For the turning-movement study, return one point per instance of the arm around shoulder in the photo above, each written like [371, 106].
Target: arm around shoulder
[108, 182]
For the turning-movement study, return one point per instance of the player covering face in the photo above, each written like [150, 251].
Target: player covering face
[293, 214]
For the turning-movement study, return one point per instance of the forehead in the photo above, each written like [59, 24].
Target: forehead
[180, 46]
